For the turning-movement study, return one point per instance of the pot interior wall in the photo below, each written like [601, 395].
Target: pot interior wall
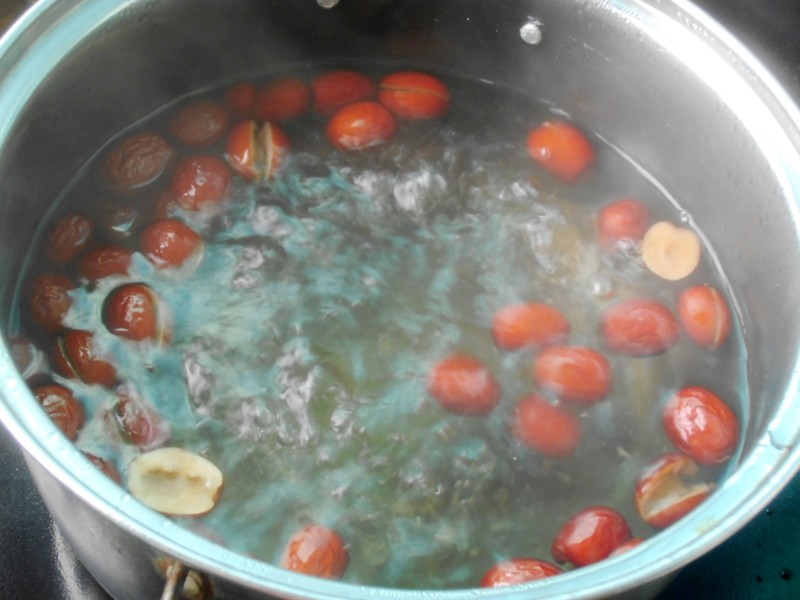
[595, 63]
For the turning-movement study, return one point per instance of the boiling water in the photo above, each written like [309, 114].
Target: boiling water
[302, 342]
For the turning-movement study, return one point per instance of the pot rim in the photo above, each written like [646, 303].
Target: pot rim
[51, 28]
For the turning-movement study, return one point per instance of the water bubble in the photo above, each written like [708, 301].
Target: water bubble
[531, 32]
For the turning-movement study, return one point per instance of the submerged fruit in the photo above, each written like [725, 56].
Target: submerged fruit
[316, 550]
[705, 316]
[137, 161]
[49, 300]
[171, 243]
[577, 375]
[77, 356]
[549, 429]
[175, 482]
[134, 311]
[336, 89]
[200, 123]
[623, 220]
[62, 407]
[639, 327]
[463, 384]
[531, 324]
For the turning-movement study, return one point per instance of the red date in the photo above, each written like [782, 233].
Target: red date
[139, 421]
[561, 149]
[623, 220]
[577, 375]
[663, 495]
[200, 181]
[518, 570]
[590, 536]
[137, 161]
[282, 100]
[336, 89]
[77, 357]
[256, 152]
[414, 95]
[549, 429]
[463, 384]
[360, 126]
[639, 327]
[316, 550]
[705, 316]
[134, 311]
[105, 261]
[68, 238]
[62, 407]
[49, 300]
[700, 424]
[199, 124]
[240, 99]
[171, 243]
[532, 325]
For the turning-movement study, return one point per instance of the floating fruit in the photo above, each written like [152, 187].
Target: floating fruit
[701, 425]
[282, 99]
[623, 220]
[49, 300]
[336, 89]
[67, 239]
[256, 152]
[134, 311]
[414, 95]
[360, 126]
[62, 407]
[137, 161]
[200, 123]
[171, 243]
[590, 536]
[561, 149]
[669, 251]
[175, 482]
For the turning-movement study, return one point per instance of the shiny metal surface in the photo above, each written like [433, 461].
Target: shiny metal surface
[654, 78]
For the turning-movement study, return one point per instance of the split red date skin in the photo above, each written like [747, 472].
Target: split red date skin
[360, 126]
[200, 123]
[701, 425]
[255, 152]
[201, 181]
[282, 99]
[663, 495]
[49, 300]
[316, 550]
[590, 536]
[639, 327]
[518, 570]
[336, 89]
[705, 316]
[137, 161]
[562, 150]
[577, 375]
[463, 384]
[62, 407]
[76, 357]
[170, 243]
[548, 429]
[68, 238]
[529, 325]
[413, 95]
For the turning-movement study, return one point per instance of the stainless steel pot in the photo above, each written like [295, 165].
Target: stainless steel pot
[655, 78]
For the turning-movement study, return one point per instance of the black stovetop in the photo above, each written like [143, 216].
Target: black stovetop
[761, 561]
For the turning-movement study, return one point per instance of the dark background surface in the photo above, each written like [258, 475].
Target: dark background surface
[761, 561]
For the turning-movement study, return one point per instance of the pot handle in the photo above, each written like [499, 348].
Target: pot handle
[176, 576]
[182, 582]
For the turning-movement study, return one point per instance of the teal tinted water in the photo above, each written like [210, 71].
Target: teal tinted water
[302, 340]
